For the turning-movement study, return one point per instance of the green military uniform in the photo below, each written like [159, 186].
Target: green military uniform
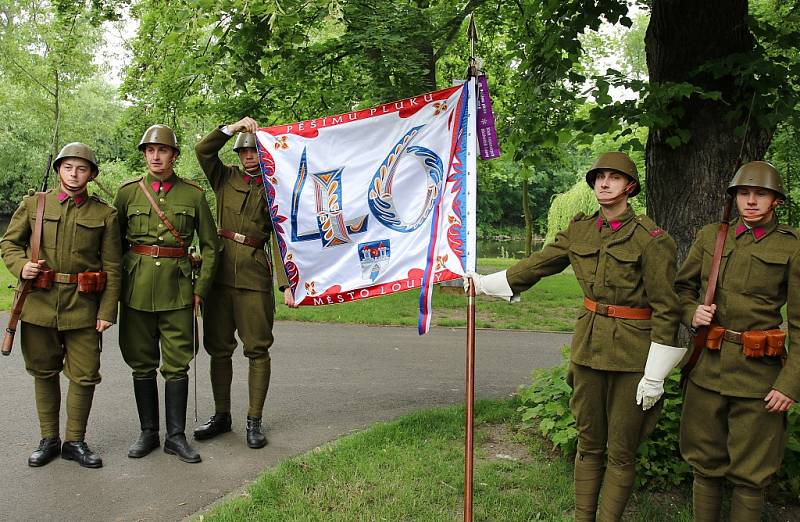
[58, 328]
[726, 432]
[241, 298]
[627, 262]
[157, 292]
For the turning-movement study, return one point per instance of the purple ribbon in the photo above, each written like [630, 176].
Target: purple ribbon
[487, 133]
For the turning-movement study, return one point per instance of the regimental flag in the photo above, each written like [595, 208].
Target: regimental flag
[376, 201]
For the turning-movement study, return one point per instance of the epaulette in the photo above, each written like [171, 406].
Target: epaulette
[97, 198]
[192, 183]
[789, 231]
[580, 216]
[130, 182]
[649, 225]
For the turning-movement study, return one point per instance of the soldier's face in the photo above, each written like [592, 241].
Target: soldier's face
[160, 159]
[74, 174]
[249, 159]
[609, 183]
[756, 204]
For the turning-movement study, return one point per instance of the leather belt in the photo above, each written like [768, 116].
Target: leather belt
[240, 238]
[70, 279]
[732, 337]
[158, 251]
[620, 312]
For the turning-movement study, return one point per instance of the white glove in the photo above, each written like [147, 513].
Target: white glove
[495, 284]
[661, 359]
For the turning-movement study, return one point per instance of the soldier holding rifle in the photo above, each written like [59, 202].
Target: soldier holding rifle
[64, 244]
[159, 215]
[734, 413]
[624, 342]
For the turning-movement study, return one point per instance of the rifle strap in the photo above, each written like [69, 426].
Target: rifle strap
[711, 289]
[161, 215]
[36, 244]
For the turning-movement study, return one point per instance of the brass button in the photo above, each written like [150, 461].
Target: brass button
[160, 238]
[160, 200]
[161, 225]
[158, 263]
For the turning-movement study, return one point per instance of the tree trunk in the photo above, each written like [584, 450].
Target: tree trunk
[526, 210]
[686, 185]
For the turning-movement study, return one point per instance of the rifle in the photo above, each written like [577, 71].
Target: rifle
[26, 285]
[699, 339]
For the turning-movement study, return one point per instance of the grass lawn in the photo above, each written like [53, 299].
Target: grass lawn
[551, 305]
[7, 285]
[412, 469]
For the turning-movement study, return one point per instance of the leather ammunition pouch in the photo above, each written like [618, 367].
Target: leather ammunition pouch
[44, 279]
[755, 343]
[714, 337]
[92, 282]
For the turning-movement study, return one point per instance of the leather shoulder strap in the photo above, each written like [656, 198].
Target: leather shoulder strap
[161, 215]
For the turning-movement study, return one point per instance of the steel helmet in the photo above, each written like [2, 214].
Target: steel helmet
[77, 149]
[757, 174]
[245, 140]
[160, 134]
[617, 161]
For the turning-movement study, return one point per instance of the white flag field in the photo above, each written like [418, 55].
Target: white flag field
[376, 201]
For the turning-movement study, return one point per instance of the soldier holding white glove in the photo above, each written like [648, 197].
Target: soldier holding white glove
[661, 359]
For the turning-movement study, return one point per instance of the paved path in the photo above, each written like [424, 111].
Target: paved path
[334, 379]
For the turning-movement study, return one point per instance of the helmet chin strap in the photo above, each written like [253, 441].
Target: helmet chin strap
[613, 200]
[759, 217]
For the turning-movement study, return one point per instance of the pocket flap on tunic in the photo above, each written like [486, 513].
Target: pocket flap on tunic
[89, 222]
[772, 258]
[584, 249]
[623, 254]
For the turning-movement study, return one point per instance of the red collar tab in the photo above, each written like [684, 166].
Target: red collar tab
[614, 224]
[79, 200]
[256, 178]
[163, 185]
[758, 232]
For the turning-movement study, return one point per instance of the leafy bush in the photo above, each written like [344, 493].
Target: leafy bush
[545, 407]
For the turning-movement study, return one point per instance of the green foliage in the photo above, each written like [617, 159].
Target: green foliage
[545, 405]
[579, 198]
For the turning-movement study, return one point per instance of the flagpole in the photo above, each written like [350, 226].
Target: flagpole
[470, 400]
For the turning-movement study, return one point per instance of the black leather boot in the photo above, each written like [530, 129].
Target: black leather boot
[48, 450]
[80, 452]
[255, 437]
[176, 444]
[146, 393]
[216, 425]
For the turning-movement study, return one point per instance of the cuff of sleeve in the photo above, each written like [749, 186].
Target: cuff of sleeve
[497, 285]
[787, 386]
[661, 359]
[224, 130]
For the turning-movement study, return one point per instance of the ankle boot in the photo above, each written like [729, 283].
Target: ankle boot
[146, 393]
[80, 453]
[49, 448]
[255, 437]
[176, 444]
[217, 424]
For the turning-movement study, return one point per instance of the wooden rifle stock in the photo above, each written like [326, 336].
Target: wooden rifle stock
[25, 286]
[699, 339]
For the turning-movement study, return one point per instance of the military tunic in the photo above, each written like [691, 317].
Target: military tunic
[58, 328]
[157, 292]
[724, 407]
[629, 262]
[242, 294]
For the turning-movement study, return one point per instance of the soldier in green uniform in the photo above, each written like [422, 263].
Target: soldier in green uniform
[733, 422]
[157, 290]
[241, 298]
[623, 345]
[62, 325]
